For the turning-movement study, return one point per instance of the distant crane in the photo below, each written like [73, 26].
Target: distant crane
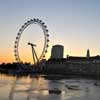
[35, 57]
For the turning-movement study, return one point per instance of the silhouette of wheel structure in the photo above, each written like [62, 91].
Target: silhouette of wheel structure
[45, 45]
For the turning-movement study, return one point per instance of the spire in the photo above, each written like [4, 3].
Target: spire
[88, 53]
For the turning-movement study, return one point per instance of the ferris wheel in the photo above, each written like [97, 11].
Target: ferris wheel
[45, 45]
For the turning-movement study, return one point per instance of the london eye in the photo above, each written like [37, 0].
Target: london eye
[45, 44]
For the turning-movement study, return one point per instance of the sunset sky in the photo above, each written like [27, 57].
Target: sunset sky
[72, 23]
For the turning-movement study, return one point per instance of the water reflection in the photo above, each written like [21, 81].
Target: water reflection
[37, 88]
[46, 88]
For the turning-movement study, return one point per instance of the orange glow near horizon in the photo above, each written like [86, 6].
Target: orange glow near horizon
[8, 57]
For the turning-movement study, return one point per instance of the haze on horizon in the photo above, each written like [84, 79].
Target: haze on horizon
[72, 23]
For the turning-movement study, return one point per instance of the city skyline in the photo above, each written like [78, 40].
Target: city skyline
[71, 23]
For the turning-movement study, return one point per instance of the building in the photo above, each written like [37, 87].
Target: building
[88, 53]
[57, 52]
[72, 65]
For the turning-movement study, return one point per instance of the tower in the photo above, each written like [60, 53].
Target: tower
[88, 53]
[57, 51]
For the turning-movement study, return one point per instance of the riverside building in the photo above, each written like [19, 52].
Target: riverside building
[72, 65]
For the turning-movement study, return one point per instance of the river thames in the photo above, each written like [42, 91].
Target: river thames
[38, 87]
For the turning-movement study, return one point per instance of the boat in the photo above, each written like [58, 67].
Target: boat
[97, 83]
[54, 91]
[72, 87]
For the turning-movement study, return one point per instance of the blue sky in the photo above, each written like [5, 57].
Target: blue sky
[72, 23]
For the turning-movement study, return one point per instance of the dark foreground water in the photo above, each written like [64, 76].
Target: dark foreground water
[47, 88]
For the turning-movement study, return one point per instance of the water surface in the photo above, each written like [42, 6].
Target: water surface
[47, 88]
